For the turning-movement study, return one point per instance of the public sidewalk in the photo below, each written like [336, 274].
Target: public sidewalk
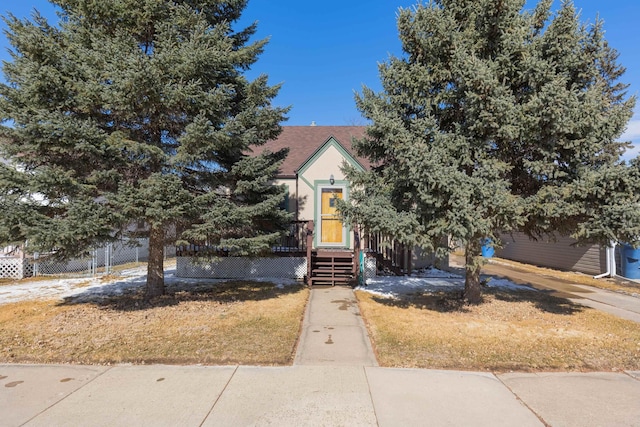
[334, 382]
[311, 396]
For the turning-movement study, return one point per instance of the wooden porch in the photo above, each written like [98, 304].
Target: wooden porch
[324, 266]
[327, 267]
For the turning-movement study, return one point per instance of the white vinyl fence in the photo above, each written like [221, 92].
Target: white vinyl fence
[15, 268]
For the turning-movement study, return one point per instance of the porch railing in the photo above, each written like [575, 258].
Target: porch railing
[390, 253]
[294, 242]
[296, 239]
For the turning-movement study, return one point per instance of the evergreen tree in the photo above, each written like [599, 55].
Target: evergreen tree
[497, 119]
[138, 112]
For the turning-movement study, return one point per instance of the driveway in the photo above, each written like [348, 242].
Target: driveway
[618, 304]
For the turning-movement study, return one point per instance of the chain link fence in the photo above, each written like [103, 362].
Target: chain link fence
[99, 262]
[289, 260]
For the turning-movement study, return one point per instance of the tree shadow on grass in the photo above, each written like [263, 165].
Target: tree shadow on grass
[442, 302]
[114, 297]
[542, 300]
[452, 302]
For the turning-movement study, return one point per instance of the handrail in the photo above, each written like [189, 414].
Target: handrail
[294, 242]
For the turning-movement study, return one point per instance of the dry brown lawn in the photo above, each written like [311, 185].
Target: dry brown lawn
[520, 331]
[232, 323]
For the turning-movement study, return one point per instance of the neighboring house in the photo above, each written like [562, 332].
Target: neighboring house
[559, 254]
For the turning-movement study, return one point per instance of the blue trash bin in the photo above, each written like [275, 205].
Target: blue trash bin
[487, 249]
[630, 260]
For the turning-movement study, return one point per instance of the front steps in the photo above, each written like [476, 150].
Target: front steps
[332, 267]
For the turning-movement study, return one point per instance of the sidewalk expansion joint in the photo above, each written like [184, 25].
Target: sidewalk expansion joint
[366, 377]
[521, 401]
[215, 402]
[65, 397]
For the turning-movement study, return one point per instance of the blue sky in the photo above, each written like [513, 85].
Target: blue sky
[322, 52]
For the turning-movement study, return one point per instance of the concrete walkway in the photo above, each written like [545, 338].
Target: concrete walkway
[333, 332]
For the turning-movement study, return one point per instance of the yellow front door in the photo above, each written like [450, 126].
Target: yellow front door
[330, 224]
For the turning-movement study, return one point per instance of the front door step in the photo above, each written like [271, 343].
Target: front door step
[332, 267]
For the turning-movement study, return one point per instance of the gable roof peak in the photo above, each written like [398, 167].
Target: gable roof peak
[304, 141]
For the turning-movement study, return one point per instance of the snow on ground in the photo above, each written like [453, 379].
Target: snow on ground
[427, 280]
[91, 289]
[64, 288]
[95, 288]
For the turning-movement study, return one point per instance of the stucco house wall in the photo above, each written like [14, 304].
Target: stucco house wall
[316, 154]
[318, 172]
[290, 202]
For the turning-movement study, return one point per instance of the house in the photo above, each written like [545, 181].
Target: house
[320, 247]
[314, 179]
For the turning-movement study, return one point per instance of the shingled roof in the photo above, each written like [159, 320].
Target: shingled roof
[304, 141]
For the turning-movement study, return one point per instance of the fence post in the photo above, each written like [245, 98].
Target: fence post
[36, 255]
[107, 263]
[356, 252]
[94, 262]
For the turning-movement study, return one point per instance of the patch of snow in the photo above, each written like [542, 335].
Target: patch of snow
[101, 290]
[508, 284]
[434, 272]
[91, 289]
[42, 289]
[395, 286]
[427, 280]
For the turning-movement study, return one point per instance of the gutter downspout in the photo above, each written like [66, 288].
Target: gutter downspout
[611, 262]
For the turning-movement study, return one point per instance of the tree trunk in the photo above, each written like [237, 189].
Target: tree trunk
[155, 265]
[473, 263]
